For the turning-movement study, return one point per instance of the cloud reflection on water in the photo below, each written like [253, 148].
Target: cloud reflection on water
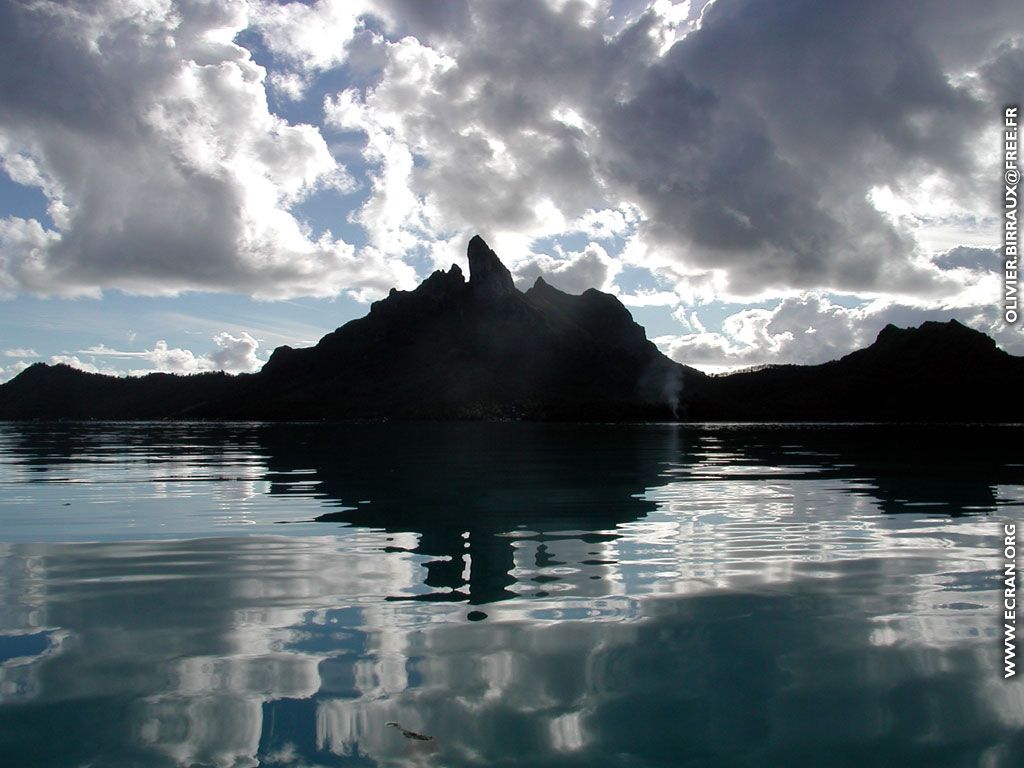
[719, 606]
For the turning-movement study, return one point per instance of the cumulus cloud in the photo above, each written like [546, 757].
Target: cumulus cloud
[20, 352]
[8, 372]
[164, 359]
[749, 137]
[735, 149]
[149, 133]
[572, 272]
[966, 257]
[306, 38]
[607, 223]
[75, 361]
[811, 329]
[788, 166]
[234, 354]
[475, 134]
[311, 36]
[761, 163]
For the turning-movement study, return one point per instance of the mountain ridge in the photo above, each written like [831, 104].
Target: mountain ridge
[936, 372]
[480, 348]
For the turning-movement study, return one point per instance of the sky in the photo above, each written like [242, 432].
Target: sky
[187, 184]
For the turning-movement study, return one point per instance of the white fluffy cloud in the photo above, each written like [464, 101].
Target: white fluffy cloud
[736, 149]
[234, 354]
[573, 272]
[83, 365]
[149, 132]
[8, 372]
[805, 166]
[465, 141]
[758, 172]
[812, 329]
[307, 38]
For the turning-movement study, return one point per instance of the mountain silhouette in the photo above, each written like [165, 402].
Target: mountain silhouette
[481, 349]
[938, 372]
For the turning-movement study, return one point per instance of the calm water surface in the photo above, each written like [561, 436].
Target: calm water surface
[525, 595]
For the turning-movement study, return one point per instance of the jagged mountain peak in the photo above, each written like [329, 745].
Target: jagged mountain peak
[486, 272]
[482, 349]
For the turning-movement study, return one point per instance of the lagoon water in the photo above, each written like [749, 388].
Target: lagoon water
[523, 594]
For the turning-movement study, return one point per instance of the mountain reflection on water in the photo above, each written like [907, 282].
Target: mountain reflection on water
[650, 595]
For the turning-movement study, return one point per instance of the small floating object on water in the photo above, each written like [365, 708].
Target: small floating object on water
[410, 734]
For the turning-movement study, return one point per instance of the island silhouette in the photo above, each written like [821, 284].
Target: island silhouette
[480, 349]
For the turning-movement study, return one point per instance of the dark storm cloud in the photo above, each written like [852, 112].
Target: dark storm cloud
[1005, 72]
[427, 18]
[967, 257]
[751, 145]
